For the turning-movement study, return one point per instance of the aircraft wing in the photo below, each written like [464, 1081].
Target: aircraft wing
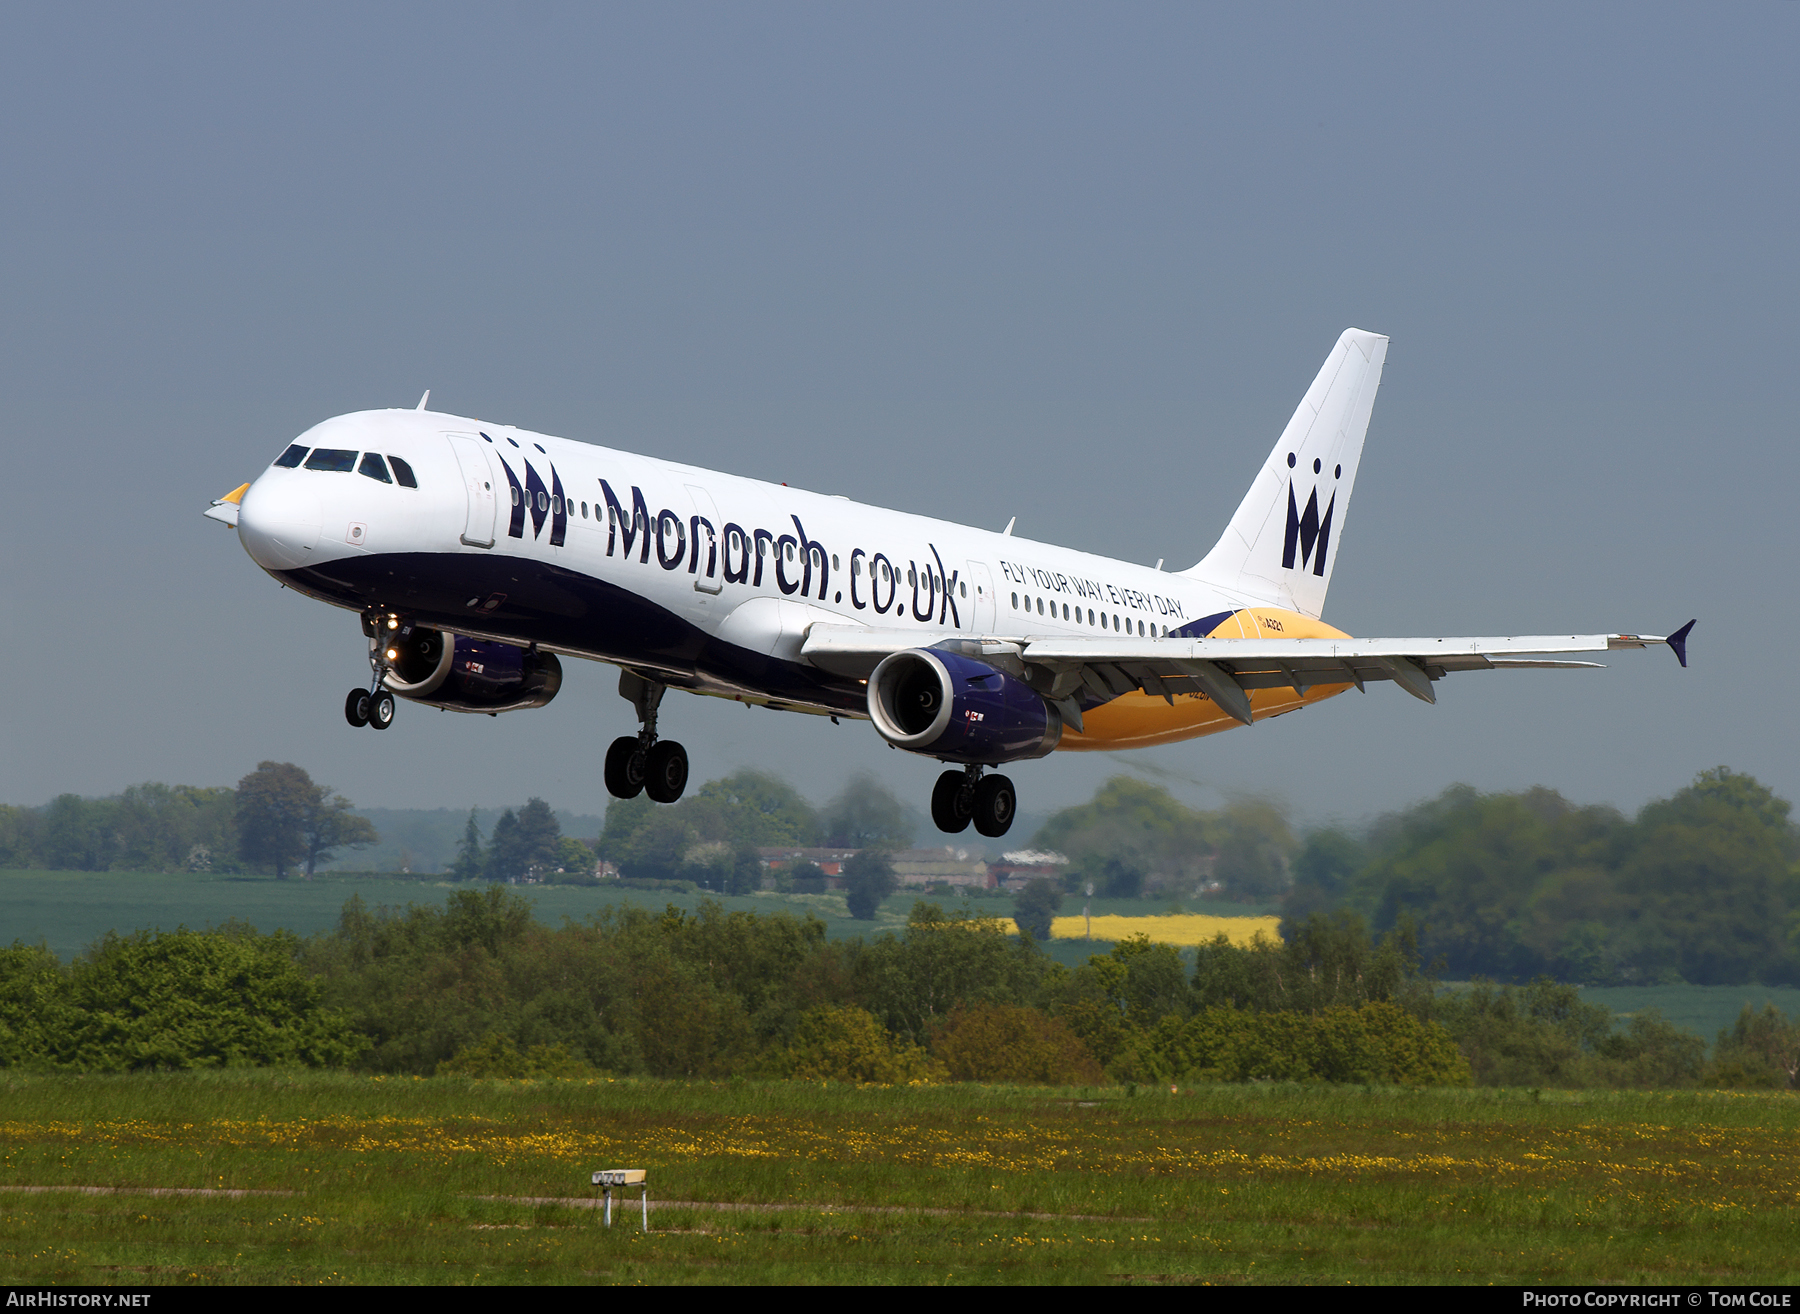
[1224, 669]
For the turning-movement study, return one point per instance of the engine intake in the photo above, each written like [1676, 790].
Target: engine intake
[957, 709]
[469, 675]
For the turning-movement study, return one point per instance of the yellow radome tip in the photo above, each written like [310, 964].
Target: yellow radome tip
[236, 495]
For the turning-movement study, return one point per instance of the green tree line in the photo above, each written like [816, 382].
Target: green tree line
[1701, 887]
[476, 986]
[711, 836]
[1134, 838]
[277, 820]
[526, 845]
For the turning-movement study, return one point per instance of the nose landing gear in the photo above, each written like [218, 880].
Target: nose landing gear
[964, 796]
[374, 706]
[641, 763]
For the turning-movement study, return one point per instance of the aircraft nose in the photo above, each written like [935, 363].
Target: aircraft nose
[278, 521]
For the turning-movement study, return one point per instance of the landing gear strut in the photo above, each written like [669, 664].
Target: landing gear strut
[374, 706]
[964, 796]
[641, 763]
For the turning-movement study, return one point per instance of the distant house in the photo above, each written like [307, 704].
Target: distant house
[947, 865]
[1024, 865]
[829, 861]
[917, 868]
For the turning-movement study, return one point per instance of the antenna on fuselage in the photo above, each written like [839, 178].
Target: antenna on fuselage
[423, 400]
[1009, 524]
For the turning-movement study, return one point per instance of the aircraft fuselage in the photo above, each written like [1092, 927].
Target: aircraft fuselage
[701, 580]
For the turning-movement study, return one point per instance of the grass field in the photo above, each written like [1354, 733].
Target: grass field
[340, 1179]
[68, 910]
[1700, 1009]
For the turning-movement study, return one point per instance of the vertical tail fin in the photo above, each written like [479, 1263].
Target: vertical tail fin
[1283, 541]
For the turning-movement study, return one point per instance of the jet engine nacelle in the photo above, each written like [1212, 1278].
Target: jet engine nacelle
[958, 709]
[468, 675]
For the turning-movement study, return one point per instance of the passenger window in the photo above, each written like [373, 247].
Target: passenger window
[292, 457]
[556, 506]
[584, 510]
[332, 458]
[374, 467]
[403, 473]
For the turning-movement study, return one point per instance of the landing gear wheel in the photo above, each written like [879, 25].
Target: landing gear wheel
[666, 772]
[356, 707]
[995, 806]
[625, 768]
[381, 710]
[949, 804]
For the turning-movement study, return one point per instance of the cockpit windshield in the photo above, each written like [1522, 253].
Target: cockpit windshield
[331, 458]
[337, 459]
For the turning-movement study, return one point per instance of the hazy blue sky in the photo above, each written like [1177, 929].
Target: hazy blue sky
[1075, 264]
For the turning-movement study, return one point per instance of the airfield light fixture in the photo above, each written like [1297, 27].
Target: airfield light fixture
[607, 1178]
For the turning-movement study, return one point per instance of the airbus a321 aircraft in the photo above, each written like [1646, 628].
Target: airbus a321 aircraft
[476, 554]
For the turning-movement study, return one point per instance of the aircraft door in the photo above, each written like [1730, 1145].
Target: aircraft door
[478, 482]
[703, 550]
[981, 598]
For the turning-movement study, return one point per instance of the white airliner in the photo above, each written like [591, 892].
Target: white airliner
[475, 553]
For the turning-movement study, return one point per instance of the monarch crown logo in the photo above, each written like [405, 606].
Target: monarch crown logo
[1306, 531]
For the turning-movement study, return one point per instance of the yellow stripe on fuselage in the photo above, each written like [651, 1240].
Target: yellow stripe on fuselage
[1137, 720]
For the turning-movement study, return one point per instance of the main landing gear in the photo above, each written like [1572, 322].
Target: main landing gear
[374, 706]
[964, 796]
[642, 763]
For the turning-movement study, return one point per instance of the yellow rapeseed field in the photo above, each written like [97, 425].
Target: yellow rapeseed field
[1170, 928]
